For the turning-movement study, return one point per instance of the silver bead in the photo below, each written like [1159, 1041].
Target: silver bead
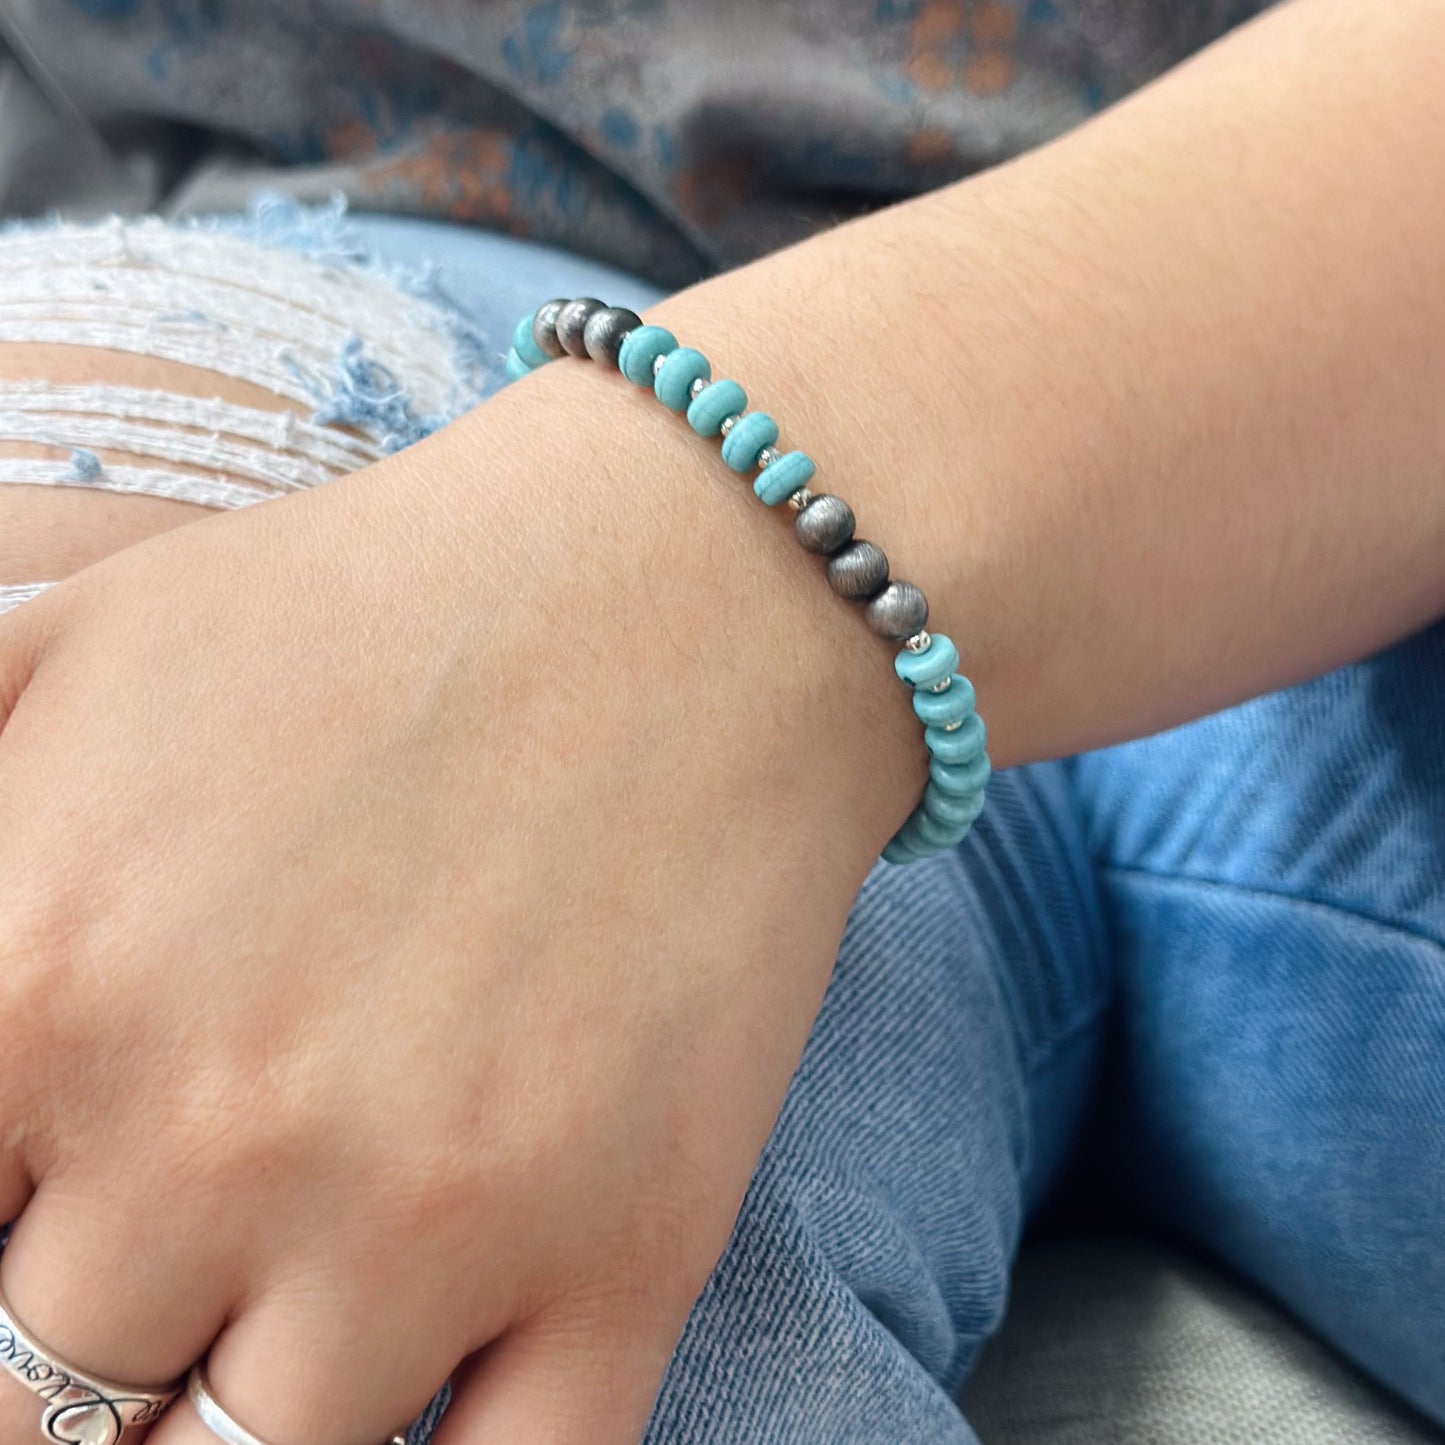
[544, 326]
[572, 323]
[697, 388]
[953, 727]
[824, 525]
[919, 641]
[858, 571]
[800, 499]
[898, 611]
[942, 685]
[658, 362]
[605, 332]
[767, 457]
[729, 422]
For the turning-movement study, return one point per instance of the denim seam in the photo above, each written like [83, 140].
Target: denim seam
[1301, 900]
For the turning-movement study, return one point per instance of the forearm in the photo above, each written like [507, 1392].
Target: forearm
[1152, 415]
[1155, 414]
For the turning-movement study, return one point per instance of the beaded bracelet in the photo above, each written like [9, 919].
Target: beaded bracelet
[857, 570]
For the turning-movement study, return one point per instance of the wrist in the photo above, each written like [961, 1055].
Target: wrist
[693, 604]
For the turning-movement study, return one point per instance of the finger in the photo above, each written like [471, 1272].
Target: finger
[15, 1191]
[115, 1286]
[541, 1386]
[320, 1364]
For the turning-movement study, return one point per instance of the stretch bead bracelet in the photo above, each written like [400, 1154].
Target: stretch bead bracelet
[682, 380]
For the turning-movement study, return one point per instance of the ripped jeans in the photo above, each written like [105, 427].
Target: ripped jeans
[1240, 924]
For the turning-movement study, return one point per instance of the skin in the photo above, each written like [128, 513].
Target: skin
[554, 798]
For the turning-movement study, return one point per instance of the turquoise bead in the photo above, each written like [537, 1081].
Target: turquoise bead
[961, 779]
[713, 405]
[778, 482]
[742, 444]
[953, 704]
[673, 383]
[899, 852]
[933, 664]
[960, 746]
[643, 346]
[928, 834]
[525, 344]
[516, 367]
[907, 836]
[952, 811]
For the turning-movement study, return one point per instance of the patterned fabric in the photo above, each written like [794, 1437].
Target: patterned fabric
[668, 136]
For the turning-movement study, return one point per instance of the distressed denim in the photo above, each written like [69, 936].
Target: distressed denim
[1227, 942]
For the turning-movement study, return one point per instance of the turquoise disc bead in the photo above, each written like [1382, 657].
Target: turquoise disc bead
[674, 382]
[960, 746]
[713, 405]
[907, 836]
[927, 834]
[742, 444]
[644, 344]
[961, 779]
[955, 812]
[953, 704]
[921, 669]
[778, 482]
[525, 344]
[897, 851]
[516, 368]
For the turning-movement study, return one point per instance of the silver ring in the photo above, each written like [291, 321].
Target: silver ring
[218, 1422]
[80, 1409]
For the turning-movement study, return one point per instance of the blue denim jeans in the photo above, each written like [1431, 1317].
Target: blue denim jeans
[1226, 942]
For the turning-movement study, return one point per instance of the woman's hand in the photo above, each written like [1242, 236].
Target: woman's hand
[411, 913]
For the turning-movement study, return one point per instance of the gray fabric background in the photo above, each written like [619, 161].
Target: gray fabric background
[1115, 1342]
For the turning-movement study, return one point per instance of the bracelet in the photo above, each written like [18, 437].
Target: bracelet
[857, 570]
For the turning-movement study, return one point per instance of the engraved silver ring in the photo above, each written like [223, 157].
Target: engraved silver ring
[219, 1423]
[80, 1409]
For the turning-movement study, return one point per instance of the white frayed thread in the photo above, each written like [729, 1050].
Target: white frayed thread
[144, 481]
[277, 470]
[16, 593]
[279, 431]
[193, 275]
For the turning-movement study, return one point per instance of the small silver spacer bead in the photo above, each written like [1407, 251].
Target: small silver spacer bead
[697, 388]
[729, 422]
[657, 363]
[953, 727]
[942, 685]
[918, 642]
[800, 499]
[767, 457]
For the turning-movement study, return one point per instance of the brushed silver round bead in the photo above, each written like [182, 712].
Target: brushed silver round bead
[572, 323]
[800, 499]
[605, 332]
[729, 422]
[544, 326]
[858, 571]
[920, 641]
[898, 611]
[767, 457]
[697, 388]
[825, 524]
